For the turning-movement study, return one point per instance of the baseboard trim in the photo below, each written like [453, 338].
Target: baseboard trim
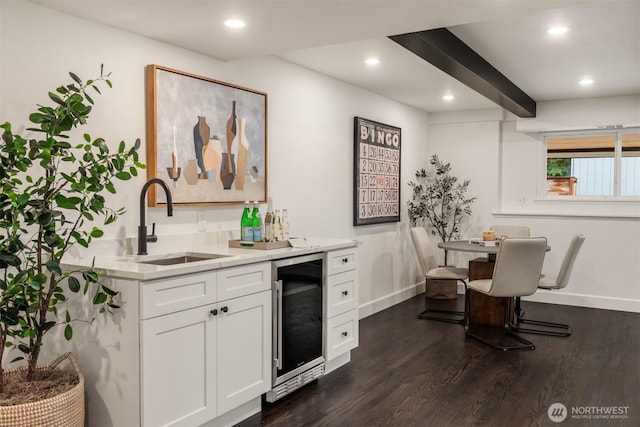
[589, 301]
[390, 300]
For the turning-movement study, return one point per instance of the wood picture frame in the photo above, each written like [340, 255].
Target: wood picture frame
[376, 195]
[207, 139]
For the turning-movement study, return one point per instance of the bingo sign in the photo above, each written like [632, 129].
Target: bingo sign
[377, 172]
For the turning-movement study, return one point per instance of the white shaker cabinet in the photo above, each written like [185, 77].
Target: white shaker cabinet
[341, 304]
[200, 362]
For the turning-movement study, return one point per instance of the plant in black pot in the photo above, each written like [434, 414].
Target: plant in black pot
[53, 198]
[439, 201]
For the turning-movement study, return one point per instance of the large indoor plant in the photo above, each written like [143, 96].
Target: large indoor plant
[439, 202]
[53, 197]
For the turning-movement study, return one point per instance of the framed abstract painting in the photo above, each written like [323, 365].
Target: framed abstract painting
[206, 139]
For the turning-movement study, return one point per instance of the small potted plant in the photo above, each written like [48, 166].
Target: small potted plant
[439, 202]
[53, 198]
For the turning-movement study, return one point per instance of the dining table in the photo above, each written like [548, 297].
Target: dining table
[484, 310]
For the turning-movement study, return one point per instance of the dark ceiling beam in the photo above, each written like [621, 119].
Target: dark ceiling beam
[443, 49]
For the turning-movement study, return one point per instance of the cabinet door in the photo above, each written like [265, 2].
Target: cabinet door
[244, 349]
[178, 380]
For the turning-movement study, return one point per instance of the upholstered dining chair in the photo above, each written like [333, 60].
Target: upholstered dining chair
[551, 283]
[432, 272]
[512, 231]
[516, 273]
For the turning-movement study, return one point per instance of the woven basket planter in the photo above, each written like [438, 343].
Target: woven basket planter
[66, 409]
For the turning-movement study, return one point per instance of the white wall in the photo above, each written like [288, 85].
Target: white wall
[310, 149]
[310, 139]
[502, 164]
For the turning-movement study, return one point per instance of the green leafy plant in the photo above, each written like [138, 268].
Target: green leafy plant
[558, 167]
[53, 197]
[439, 202]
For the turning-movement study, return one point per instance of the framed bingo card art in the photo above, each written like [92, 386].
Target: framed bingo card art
[376, 177]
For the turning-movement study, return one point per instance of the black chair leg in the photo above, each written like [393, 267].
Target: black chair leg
[550, 328]
[442, 315]
[448, 316]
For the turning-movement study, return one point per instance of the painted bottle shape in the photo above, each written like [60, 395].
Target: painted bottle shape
[256, 219]
[246, 225]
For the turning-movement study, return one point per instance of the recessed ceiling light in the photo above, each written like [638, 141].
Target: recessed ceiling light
[587, 81]
[448, 97]
[234, 23]
[557, 30]
[372, 61]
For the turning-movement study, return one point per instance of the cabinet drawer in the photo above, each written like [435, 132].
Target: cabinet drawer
[342, 292]
[341, 260]
[173, 294]
[342, 334]
[244, 280]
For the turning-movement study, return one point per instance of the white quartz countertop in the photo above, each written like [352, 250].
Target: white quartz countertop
[130, 266]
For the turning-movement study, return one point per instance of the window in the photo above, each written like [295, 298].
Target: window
[605, 163]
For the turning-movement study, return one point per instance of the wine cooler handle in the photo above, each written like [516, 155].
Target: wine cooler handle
[278, 286]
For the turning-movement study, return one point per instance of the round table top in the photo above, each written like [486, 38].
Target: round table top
[465, 246]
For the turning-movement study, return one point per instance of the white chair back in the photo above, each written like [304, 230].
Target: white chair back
[423, 249]
[569, 260]
[518, 266]
[510, 230]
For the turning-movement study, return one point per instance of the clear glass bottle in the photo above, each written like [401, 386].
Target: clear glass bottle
[256, 218]
[284, 225]
[268, 221]
[277, 230]
[246, 225]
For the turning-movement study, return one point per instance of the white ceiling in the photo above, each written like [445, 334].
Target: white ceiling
[334, 38]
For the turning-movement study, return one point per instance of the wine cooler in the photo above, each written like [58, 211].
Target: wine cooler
[297, 323]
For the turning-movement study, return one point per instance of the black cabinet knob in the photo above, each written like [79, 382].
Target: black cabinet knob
[345, 260]
[345, 333]
[345, 293]
[214, 312]
[225, 309]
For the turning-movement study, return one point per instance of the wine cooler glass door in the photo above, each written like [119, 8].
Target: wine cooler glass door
[298, 325]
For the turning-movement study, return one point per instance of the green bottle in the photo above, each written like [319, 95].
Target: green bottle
[246, 225]
[257, 223]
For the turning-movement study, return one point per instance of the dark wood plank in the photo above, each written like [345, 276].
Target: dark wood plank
[413, 372]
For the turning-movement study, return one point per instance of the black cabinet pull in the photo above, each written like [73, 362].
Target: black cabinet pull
[345, 333]
[345, 260]
[214, 312]
[345, 293]
[225, 309]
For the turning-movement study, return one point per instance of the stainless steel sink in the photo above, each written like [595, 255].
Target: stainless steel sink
[173, 259]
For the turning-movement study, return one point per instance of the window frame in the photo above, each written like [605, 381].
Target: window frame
[617, 157]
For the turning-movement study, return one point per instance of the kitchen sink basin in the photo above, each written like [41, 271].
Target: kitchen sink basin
[173, 259]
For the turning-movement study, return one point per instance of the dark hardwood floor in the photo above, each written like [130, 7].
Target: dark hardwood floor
[412, 372]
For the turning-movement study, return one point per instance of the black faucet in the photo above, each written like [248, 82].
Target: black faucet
[143, 238]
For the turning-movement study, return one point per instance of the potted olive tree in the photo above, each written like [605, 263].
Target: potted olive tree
[439, 202]
[53, 197]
